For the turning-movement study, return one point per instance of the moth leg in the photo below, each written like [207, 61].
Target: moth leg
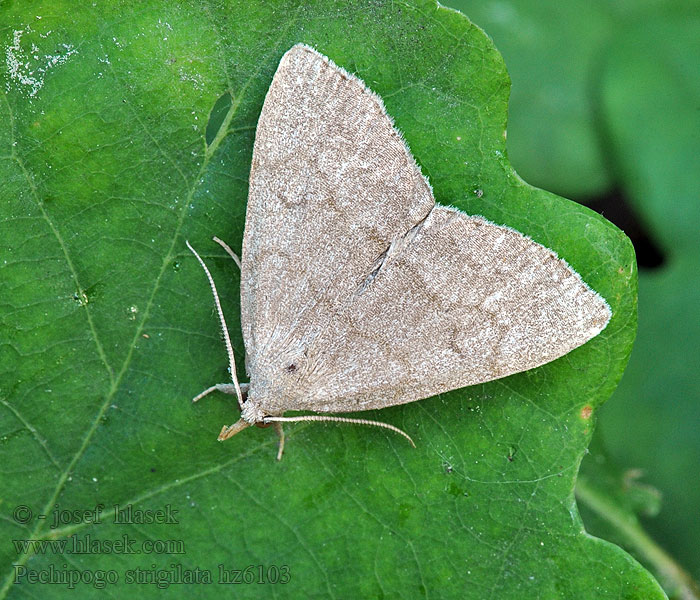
[280, 433]
[226, 388]
[230, 252]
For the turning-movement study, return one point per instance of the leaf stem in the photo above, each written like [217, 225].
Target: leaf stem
[674, 579]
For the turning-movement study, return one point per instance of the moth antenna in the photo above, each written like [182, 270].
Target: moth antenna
[338, 420]
[230, 252]
[227, 339]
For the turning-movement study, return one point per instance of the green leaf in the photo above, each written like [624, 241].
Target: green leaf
[114, 152]
[612, 501]
[554, 50]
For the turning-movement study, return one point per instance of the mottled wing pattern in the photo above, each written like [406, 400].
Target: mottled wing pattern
[462, 301]
[359, 292]
[328, 169]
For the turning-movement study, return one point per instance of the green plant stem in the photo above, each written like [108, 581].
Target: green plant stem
[674, 579]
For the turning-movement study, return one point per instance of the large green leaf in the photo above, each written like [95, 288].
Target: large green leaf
[108, 164]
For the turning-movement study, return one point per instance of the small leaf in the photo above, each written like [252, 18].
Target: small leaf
[554, 51]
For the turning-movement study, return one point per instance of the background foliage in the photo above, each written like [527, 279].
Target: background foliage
[110, 160]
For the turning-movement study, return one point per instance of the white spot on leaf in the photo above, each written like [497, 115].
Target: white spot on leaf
[27, 68]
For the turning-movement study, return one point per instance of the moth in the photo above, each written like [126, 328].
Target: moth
[358, 291]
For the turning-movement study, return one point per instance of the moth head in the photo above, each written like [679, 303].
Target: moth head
[252, 413]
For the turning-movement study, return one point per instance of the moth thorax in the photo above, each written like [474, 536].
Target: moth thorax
[252, 413]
